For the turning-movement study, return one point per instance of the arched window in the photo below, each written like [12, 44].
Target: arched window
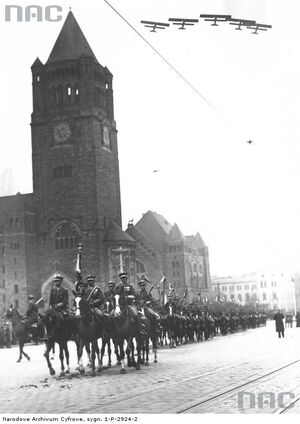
[140, 269]
[65, 237]
[69, 92]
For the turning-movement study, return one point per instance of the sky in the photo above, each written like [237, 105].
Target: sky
[242, 198]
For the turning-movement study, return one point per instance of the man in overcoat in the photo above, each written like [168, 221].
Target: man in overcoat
[278, 317]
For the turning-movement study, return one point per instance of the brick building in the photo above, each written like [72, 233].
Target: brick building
[76, 189]
[162, 249]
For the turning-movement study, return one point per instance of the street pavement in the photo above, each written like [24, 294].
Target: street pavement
[205, 377]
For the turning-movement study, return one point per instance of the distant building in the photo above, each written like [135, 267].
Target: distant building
[76, 191]
[162, 250]
[274, 290]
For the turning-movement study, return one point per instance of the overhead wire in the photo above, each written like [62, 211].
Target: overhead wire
[166, 61]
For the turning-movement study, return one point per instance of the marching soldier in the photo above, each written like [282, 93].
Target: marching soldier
[32, 311]
[59, 296]
[127, 294]
[93, 294]
[144, 299]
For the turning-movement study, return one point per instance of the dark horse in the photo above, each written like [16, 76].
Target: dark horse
[89, 330]
[126, 328]
[151, 334]
[21, 329]
[58, 329]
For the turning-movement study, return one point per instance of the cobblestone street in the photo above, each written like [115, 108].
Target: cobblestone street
[203, 377]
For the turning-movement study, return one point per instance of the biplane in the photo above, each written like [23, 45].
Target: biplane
[154, 25]
[259, 27]
[216, 18]
[183, 22]
[241, 22]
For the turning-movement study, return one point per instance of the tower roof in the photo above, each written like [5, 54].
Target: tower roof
[71, 42]
[115, 233]
[175, 234]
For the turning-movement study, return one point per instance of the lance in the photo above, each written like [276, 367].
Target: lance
[149, 282]
[78, 267]
[38, 301]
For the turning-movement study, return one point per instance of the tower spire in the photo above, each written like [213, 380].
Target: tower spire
[71, 42]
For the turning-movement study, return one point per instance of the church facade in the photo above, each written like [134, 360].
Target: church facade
[76, 188]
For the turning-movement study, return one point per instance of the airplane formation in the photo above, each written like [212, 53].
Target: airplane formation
[182, 23]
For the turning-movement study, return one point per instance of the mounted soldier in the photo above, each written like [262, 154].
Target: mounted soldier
[32, 311]
[109, 295]
[127, 297]
[59, 297]
[145, 300]
[93, 294]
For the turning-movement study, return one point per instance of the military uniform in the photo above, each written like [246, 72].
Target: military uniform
[142, 298]
[93, 294]
[124, 289]
[109, 296]
[32, 311]
[59, 299]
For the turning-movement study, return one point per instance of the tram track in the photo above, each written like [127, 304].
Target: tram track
[138, 397]
[237, 389]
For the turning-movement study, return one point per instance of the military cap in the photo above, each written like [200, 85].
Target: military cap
[123, 274]
[58, 277]
[142, 283]
[91, 277]
[110, 284]
[31, 296]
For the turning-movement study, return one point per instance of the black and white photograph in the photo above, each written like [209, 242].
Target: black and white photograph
[149, 209]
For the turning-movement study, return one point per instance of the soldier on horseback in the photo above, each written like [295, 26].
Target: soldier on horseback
[32, 311]
[59, 296]
[109, 295]
[93, 294]
[127, 295]
[144, 300]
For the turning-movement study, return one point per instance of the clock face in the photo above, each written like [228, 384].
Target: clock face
[62, 132]
[106, 139]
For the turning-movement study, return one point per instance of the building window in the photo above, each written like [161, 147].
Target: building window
[16, 304]
[232, 296]
[11, 222]
[264, 296]
[274, 296]
[62, 172]
[3, 269]
[247, 297]
[65, 237]
[17, 222]
[4, 298]
[16, 288]
[240, 297]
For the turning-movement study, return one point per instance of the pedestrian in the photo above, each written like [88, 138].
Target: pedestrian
[278, 317]
[298, 319]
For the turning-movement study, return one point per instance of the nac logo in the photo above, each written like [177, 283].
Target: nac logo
[250, 400]
[16, 13]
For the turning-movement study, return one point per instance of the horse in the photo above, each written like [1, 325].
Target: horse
[58, 329]
[151, 334]
[107, 336]
[89, 330]
[171, 321]
[21, 329]
[124, 327]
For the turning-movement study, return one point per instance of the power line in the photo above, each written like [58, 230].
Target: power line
[165, 60]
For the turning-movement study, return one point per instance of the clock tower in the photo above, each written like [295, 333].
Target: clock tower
[75, 156]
